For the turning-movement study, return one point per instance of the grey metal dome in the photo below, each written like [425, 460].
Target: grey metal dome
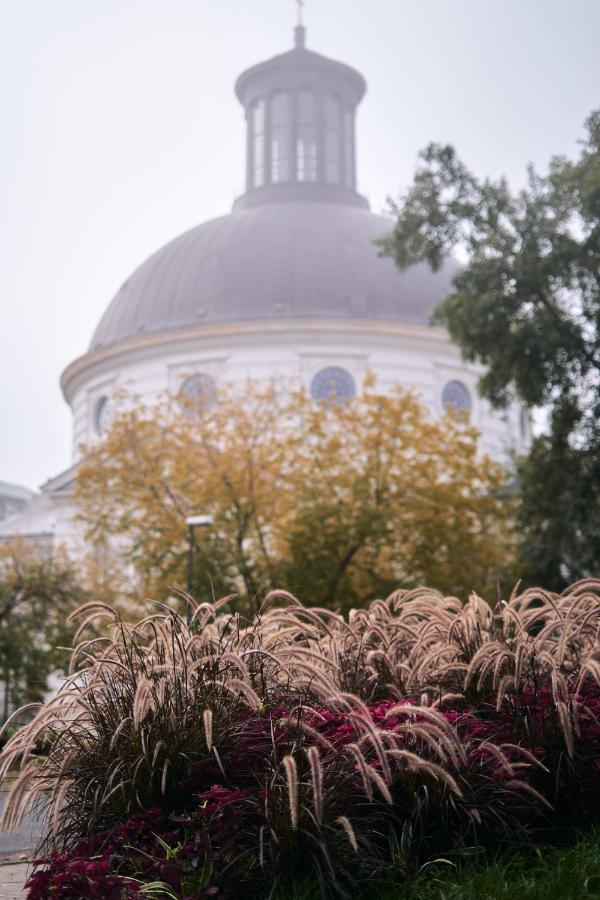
[299, 242]
[276, 261]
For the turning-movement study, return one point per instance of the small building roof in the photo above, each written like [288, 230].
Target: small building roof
[15, 491]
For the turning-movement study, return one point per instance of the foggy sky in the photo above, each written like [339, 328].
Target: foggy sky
[119, 130]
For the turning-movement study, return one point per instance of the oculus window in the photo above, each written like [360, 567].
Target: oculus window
[456, 397]
[198, 393]
[333, 384]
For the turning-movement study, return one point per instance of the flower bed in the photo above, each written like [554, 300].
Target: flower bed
[236, 757]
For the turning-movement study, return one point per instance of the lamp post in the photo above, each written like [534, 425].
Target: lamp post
[193, 522]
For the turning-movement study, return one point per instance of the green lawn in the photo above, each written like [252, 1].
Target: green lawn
[563, 873]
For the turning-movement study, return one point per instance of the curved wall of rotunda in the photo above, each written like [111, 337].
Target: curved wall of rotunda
[322, 355]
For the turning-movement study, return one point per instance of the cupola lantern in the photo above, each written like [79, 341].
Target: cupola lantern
[300, 113]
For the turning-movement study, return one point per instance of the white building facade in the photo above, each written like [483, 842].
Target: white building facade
[290, 285]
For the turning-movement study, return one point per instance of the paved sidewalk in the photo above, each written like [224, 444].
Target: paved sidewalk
[16, 846]
[12, 881]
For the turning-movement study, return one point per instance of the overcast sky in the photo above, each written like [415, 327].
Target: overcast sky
[119, 130]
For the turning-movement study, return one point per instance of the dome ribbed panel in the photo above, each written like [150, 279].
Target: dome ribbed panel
[279, 260]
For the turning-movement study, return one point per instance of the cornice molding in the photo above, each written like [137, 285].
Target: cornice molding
[228, 336]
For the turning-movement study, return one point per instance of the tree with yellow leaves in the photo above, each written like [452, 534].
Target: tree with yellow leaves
[336, 502]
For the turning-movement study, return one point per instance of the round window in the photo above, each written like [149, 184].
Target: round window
[103, 415]
[199, 393]
[455, 396]
[333, 384]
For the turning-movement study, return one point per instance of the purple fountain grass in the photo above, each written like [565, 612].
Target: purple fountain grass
[302, 738]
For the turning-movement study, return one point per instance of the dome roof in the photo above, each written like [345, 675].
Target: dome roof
[273, 261]
[299, 243]
[300, 67]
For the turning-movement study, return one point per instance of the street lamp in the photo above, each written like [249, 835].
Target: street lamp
[193, 522]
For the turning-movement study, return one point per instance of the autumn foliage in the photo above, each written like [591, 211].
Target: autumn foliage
[338, 503]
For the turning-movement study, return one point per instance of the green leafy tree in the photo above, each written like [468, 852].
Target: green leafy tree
[38, 589]
[527, 305]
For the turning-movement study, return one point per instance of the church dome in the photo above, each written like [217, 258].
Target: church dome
[300, 241]
[279, 260]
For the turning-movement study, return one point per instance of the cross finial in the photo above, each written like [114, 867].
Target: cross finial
[300, 30]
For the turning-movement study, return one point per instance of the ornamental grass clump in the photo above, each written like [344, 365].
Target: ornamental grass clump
[233, 755]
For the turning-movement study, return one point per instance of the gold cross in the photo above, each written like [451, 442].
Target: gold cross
[300, 8]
